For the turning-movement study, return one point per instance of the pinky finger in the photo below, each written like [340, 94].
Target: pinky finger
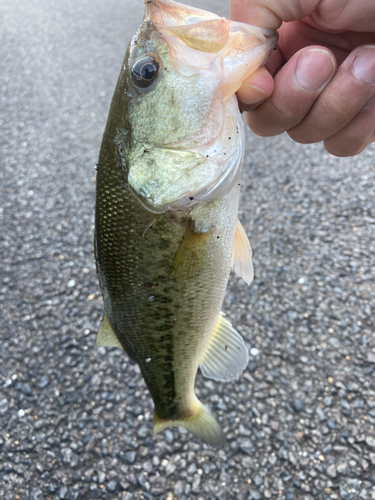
[356, 135]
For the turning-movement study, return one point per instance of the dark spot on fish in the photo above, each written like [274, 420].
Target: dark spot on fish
[218, 237]
[226, 347]
[229, 138]
[165, 300]
[225, 153]
[163, 328]
[191, 197]
[149, 285]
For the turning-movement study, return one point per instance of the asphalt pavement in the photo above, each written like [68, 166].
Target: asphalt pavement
[77, 422]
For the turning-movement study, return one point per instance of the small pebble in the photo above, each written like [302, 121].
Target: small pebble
[112, 485]
[3, 406]
[331, 471]
[298, 404]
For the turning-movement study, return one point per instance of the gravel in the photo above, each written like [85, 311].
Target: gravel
[77, 422]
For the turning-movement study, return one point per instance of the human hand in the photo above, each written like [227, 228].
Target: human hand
[323, 85]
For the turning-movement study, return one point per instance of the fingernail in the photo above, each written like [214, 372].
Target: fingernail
[250, 94]
[314, 69]
[364, 64]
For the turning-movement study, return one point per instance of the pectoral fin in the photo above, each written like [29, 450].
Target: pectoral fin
[226, 355]
[242, 263]
[190, 255]
[106, 337]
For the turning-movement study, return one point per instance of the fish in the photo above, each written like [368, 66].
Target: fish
[166, 223]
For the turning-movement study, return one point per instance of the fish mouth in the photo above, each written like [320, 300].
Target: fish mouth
[201, 29]
[176, 176]
[170, 13]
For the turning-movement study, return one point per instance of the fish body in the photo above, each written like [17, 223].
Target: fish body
[168, 183]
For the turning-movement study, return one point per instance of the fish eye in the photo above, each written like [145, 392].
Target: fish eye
[144, 71]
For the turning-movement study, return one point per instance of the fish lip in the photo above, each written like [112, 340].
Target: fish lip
[206, 15]
[256, 31]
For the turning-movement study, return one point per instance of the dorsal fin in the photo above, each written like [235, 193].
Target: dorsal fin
[106, 337]
[226, 355]
[242, 263]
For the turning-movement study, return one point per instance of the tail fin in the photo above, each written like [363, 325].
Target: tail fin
[202, 424]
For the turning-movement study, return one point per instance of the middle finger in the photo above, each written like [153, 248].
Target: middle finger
[349, 90]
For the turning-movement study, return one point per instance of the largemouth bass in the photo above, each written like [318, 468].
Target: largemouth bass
[168, 184]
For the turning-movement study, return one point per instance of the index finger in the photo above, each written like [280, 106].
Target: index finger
[270, 13]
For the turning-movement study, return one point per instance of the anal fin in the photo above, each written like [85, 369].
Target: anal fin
[226, 355]
[242, 263]
[106, 337]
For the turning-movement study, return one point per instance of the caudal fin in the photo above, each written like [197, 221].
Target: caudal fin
[202, 424]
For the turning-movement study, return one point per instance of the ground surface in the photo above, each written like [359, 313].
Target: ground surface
[75, 421]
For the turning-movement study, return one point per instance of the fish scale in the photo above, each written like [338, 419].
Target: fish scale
[166, 227]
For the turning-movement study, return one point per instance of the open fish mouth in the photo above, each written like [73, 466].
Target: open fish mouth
[202, 60]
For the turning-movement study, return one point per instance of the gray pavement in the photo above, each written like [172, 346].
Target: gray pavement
[77, 422]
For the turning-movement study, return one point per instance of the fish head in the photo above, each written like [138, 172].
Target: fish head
[182, 70]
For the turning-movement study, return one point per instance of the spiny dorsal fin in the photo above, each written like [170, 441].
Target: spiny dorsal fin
[106, 337]
[242, 263]
[226, 355]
